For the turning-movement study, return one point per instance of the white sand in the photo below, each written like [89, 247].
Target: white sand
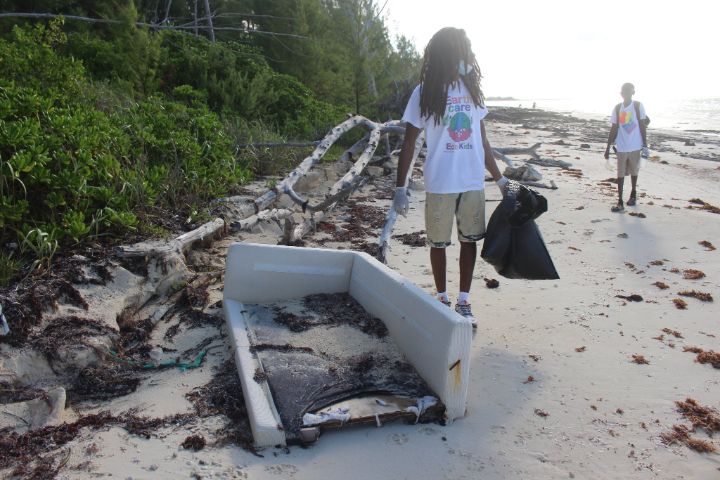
[502, 437]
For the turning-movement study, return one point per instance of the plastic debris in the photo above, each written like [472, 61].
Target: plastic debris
[341, 414]
[4, 327]
[423, 403]
[183, 366]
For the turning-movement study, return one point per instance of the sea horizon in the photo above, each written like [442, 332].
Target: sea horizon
[691, 114]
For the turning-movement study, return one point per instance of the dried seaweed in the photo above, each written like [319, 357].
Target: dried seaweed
[680, 304]
[692, 274]
[702, 296]
[103, 383]
[414, 239]
[640, 359]
[223, 396]
[19, 449]
[708, 246]
[704, 356]
[661, 285]
[706, 418]
[674, 333]
[194, 442]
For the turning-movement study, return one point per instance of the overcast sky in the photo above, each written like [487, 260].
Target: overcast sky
[576, 48]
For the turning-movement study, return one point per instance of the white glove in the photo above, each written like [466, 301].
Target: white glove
[645, 152]
[401, 202]
[502, 184]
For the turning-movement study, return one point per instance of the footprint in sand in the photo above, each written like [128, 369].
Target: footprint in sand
[398, 438]
[283, 469]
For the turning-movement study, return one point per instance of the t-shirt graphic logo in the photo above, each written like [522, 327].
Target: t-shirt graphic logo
[459, 127]
[626, 121]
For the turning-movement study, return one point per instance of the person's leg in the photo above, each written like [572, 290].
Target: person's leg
[468, 255]
[439, 214]
[439, 268]
[471, 228]
[622, 163]
[633, 170]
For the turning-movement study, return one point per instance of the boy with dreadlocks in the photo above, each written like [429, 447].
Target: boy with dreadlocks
[449, 105]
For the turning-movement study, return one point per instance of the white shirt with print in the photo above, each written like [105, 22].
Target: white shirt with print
[455, 160]
[629, 138]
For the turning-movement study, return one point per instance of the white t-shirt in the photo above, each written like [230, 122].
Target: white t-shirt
[455, 159]
[629, 138]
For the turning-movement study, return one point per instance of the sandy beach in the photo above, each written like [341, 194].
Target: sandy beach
[558, 385]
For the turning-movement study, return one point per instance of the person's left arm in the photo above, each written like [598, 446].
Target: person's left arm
[490, 162]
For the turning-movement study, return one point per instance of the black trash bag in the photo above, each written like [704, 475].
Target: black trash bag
[513, 244]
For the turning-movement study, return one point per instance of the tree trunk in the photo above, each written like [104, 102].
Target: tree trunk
[208, 12]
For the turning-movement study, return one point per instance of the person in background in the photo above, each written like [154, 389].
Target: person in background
[449, 105]
[628, 132]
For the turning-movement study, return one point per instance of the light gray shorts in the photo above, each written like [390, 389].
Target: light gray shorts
[628, 163]
[440, 210]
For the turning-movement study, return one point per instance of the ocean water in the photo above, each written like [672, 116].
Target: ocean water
[666, 114]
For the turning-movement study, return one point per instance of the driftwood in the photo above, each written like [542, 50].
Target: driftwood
[250, 222]
[286, 185]
[181, 244]
[384, 240]
[502, 153]
[347, 183]
[546, 162]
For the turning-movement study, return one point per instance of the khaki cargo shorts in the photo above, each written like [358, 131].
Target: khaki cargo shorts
[440, 210]
[628, 163]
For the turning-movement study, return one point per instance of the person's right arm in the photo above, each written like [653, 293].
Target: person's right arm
[401, 203]
[406, 154]
[611, 139]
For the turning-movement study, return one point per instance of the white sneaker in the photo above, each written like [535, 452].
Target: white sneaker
[444, 302]
[463, 308]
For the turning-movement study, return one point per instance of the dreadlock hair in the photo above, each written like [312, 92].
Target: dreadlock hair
[440, 70]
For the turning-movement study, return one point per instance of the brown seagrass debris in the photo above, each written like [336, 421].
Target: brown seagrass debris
[680, 304]
[674, 333]
[706, 418]
[708, 246]
[704, 356]
[703, 205]
[640, 359]
[702, 296]
[681, 434]
[692, 274]
[661, 285]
